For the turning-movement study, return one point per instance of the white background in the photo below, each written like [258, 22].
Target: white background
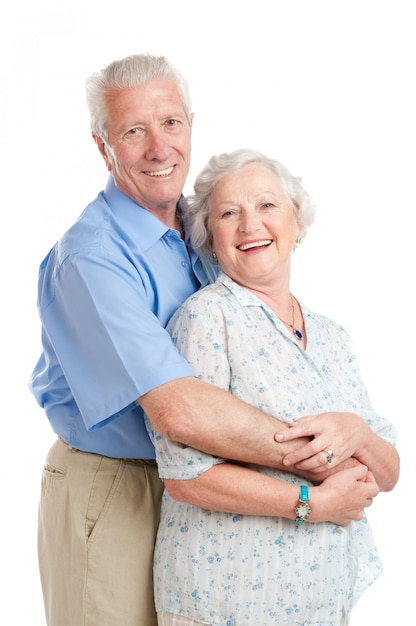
[327, 87]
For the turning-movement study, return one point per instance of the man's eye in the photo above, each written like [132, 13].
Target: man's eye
[134, 133]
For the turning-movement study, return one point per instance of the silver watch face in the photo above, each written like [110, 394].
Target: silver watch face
[303, 510]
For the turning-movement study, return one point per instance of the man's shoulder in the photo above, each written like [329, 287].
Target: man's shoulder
[90, 232]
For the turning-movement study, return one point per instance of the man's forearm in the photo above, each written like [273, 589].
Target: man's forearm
[210, 419]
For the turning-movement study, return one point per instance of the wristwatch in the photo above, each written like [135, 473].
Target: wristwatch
[303, 509]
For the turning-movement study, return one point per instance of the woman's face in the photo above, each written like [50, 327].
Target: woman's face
[253, 226]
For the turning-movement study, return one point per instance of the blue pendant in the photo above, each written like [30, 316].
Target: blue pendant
[297, 334]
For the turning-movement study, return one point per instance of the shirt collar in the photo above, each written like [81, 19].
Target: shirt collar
[247, 298]
[244, 296]
[147, 230]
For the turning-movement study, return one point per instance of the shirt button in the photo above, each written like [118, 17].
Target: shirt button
[339, 530]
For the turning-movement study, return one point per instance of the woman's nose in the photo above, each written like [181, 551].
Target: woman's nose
[249, 222]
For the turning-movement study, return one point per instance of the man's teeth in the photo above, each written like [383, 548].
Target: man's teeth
[165, 172]
[255, 244]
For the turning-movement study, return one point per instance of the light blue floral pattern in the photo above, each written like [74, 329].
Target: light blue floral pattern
[237, 570]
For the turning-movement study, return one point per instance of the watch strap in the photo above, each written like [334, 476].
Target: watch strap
[304, 494]
[303, 509]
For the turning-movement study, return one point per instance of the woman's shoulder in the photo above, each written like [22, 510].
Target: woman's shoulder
[209, 297]
[213, 300]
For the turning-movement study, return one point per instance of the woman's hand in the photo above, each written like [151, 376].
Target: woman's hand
[343, 434]
[341, 498]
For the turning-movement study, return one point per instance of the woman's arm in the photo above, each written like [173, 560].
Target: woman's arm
[232, 488]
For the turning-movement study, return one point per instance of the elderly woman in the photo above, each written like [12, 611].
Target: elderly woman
[244, 545]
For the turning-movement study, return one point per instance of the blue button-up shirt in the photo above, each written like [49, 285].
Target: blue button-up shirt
[106, 291]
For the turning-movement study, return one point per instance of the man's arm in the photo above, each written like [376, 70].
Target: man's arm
[210, 419]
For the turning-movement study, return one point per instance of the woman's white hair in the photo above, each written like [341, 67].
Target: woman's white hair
[196, 208]
[134, 70]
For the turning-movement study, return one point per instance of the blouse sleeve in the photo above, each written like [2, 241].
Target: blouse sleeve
[354, 389]
[200, 334]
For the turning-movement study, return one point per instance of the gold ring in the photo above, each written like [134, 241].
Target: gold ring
[329, 454]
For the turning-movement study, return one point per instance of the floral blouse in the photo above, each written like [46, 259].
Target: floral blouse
[237, 570]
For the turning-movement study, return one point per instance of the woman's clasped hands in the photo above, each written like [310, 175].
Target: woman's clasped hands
[335, 453]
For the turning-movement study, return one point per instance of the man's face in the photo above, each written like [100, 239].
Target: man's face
[149, 144]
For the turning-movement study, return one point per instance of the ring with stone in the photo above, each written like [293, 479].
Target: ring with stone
[329, 454]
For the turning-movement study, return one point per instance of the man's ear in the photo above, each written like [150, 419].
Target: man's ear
[103, 150]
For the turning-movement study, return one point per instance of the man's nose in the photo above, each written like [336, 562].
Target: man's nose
[157, 146]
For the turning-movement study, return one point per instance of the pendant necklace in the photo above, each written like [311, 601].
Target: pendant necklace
[296, 331]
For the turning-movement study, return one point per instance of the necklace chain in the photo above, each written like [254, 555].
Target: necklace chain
[296, 331]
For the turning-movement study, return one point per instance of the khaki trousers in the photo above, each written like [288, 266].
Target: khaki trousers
[98, 519]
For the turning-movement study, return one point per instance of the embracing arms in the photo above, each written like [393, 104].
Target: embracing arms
[208, 418]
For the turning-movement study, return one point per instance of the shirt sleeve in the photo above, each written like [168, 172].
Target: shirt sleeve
[111, 347]
[380, 425]
[199, 330]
